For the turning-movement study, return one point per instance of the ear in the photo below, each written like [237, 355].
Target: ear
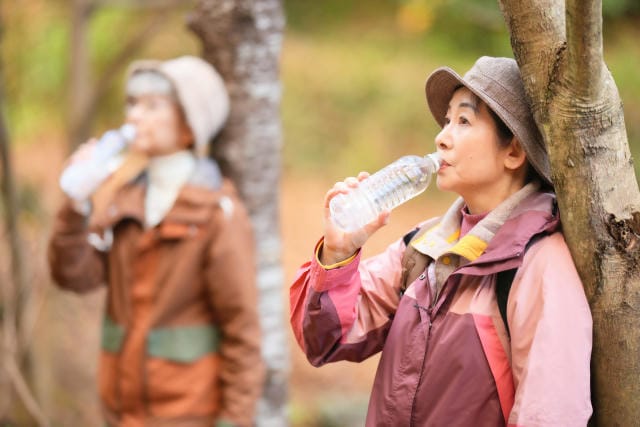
[515, 156]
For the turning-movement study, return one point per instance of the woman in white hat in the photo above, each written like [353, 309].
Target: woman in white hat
[171, 240]
[480, 314]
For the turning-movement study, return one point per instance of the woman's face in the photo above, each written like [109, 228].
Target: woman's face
[160, 127]
[473, 158]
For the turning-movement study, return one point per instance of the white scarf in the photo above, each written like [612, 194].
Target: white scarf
[167, 174]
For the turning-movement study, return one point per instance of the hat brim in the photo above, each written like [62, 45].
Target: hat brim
[439, 89]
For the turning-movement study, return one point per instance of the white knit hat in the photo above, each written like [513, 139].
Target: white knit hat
[200, 91]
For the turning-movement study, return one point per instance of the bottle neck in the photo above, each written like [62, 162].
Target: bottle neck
[435, 158]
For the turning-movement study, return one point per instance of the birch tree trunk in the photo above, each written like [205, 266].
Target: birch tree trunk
[243, 39]
[558, 46]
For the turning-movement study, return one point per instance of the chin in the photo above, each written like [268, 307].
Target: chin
[442, 185]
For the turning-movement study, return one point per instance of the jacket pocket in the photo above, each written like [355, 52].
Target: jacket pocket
[176, 389]
[182, 370]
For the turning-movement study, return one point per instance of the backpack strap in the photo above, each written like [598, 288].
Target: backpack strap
[504, 279]
[413, 262]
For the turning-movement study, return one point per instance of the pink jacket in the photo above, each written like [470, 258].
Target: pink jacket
[446, 356]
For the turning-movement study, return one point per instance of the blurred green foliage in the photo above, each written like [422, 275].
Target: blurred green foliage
[353, 71]
[35, 55]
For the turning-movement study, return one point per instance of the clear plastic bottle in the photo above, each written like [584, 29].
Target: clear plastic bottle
[81, 178]
[384, 190]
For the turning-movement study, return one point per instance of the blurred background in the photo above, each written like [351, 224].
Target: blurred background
[353, 99]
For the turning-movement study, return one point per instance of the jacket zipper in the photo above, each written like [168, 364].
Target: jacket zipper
[429, 312]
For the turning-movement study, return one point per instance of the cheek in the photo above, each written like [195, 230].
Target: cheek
[165, 129]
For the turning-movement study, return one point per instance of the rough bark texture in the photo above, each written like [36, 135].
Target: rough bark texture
[243, 40]
[579, 112]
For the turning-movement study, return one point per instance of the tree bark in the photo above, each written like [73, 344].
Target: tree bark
[243, 39]
[79, 73]
[579, 112]
[14, 299]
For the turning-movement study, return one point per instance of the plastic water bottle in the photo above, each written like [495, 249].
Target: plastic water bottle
[384, 190]
[80, 179]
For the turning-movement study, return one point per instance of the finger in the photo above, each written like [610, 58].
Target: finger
[351, 182]
[381, 221]
[363, 175]
[84, 151]
[338, 188]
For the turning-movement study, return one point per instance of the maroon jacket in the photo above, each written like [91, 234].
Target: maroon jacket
[446, 357]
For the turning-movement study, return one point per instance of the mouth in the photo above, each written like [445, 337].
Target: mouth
[444, 164]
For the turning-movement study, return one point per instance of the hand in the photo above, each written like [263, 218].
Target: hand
[79, 179]
[338, 244]
[83, 152]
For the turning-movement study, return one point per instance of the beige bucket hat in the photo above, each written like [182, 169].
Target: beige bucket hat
[200, 91]
[497, 82]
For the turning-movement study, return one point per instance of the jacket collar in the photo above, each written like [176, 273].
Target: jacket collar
[192, 207]
[502, 235]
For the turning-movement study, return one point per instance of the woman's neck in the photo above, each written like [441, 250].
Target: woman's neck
[486, 199]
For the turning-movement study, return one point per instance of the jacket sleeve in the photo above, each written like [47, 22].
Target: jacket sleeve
[551, 334]
[231, 280]
[74, 263]
[344, 313]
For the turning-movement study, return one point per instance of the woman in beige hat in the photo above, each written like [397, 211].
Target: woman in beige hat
[169, 237]
[480, 314]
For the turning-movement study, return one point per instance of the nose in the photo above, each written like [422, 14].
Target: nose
[443, 139]
[133, 112]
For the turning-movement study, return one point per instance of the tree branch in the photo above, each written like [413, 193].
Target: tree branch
[21, 387]
[585, 51]
[139, 4]
[118, 63]
[538, 39]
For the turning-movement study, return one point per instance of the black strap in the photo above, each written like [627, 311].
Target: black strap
[504, 280]
[407, 237]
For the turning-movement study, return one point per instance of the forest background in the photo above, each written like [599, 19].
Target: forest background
[352, 73]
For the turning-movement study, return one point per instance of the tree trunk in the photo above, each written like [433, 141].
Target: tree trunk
[14, 301]
[79, 73]
[243, 39]
[579, 112]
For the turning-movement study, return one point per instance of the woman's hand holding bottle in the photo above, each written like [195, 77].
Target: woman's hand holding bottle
[339, 244]
[94, 161]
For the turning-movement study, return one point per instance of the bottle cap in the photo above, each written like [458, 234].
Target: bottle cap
[128, 131]
[436, 159]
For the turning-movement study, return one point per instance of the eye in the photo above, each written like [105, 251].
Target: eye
[150, 103]
[129, 104]
[447, 120]
[463, 120]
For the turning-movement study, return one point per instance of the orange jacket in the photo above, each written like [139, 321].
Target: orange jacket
[181, 335]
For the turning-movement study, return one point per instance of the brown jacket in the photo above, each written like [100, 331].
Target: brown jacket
[181, 336]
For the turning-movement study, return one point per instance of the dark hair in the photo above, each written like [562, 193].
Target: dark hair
[504, 133]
